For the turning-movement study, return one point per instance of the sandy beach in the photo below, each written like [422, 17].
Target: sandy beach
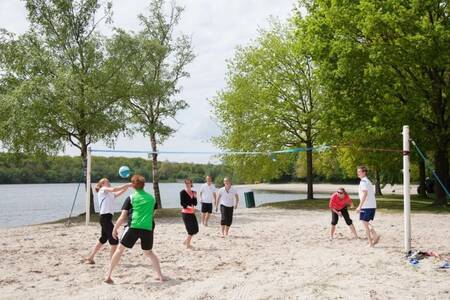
[271, 254]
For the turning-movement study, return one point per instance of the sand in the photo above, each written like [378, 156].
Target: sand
[271, 254]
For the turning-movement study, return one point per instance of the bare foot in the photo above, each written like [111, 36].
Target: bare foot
[377, 239]
[160, 278]
[89, 261]
[108, 281]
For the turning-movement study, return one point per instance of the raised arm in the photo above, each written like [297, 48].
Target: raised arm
[119, 188]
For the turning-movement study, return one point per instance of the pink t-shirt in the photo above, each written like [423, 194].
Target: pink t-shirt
[338, 203]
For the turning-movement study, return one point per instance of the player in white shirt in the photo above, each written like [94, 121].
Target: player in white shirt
[367, 205]
[106, 195]
[228, 199]
[207, 198]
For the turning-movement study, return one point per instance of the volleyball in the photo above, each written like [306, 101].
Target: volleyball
[124, 172]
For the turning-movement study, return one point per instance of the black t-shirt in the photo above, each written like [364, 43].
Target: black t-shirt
[186, 200]
[128, 206]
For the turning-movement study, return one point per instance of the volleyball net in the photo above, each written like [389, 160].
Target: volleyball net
[273, 154]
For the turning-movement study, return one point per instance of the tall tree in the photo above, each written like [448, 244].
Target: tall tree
[156, 62]
[57, 80]
[271, 102]
[379, 55]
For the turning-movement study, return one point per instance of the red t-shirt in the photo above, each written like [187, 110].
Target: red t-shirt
[338, 203]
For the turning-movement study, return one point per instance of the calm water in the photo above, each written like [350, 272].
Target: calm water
[26, 204]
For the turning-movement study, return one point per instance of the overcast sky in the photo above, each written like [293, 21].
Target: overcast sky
[217, 27]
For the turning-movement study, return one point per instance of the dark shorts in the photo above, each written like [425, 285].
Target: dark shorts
[227, 215]
[131, 235]
[190, 222]
[344, 212]
[107, 228]
[367, 214]
[207, 208]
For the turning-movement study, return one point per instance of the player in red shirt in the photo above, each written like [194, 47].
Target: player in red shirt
[338, 206]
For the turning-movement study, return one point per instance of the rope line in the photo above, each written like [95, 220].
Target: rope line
[428, 164]
[75, 199]
[284, 151]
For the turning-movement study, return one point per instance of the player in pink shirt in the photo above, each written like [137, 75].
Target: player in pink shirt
[338, 206]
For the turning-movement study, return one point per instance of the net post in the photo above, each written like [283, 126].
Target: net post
[406, 191]
[88, 186]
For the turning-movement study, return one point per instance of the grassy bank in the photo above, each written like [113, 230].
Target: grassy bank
[386, 202]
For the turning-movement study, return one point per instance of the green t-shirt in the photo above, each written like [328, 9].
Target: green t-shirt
[143, 205]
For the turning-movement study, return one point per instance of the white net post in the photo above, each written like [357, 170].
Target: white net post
[406, 190]
[88, 186]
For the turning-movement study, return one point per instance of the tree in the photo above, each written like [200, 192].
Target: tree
[156, 62]
[58, 80]
[271, 102]
[387, 56]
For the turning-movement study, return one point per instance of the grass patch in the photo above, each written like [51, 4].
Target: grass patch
[81, 218]
[386, 202]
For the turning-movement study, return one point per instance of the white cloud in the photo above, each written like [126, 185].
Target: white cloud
[217, 27]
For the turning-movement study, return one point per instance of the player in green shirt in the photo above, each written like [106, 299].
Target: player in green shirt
[138, 210]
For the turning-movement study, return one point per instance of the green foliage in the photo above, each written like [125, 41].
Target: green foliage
[57, 80]
[270, 103]
[382, 64]
[19, 168]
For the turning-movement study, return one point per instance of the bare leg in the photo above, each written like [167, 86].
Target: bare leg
[203, 218]
[376, 237]
[368, 234]
[207, 215]
[155, 262]
[111, 252]
[223, 230]
[333, 230]
[227, 228]
[353, 230]
[114, 261]
[188, 241]
[90, 258]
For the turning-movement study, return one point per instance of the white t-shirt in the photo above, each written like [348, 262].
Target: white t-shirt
[227, 198]
[207, 193]
[366, 185]
[105, 201]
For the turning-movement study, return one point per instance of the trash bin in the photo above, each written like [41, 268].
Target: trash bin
[249, 199]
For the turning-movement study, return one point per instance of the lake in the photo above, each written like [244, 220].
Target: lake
[27, 204]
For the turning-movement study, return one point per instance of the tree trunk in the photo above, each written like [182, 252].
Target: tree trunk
[377, 184]
[309, 170]
[441, 168]
[88, 189]
[422, 191]
[155, 170]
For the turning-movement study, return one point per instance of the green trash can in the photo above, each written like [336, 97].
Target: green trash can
[249, 199]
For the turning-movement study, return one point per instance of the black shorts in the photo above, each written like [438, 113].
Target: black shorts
[344, 212]
[227, 215]
[131, 235]
[207, 208]
[107, 228]
[190, 222]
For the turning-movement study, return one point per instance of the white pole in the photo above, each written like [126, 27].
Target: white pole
[88, 185]
[406, 192]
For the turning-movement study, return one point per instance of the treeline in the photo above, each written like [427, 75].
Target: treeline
[17, 168]
[338, 81]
